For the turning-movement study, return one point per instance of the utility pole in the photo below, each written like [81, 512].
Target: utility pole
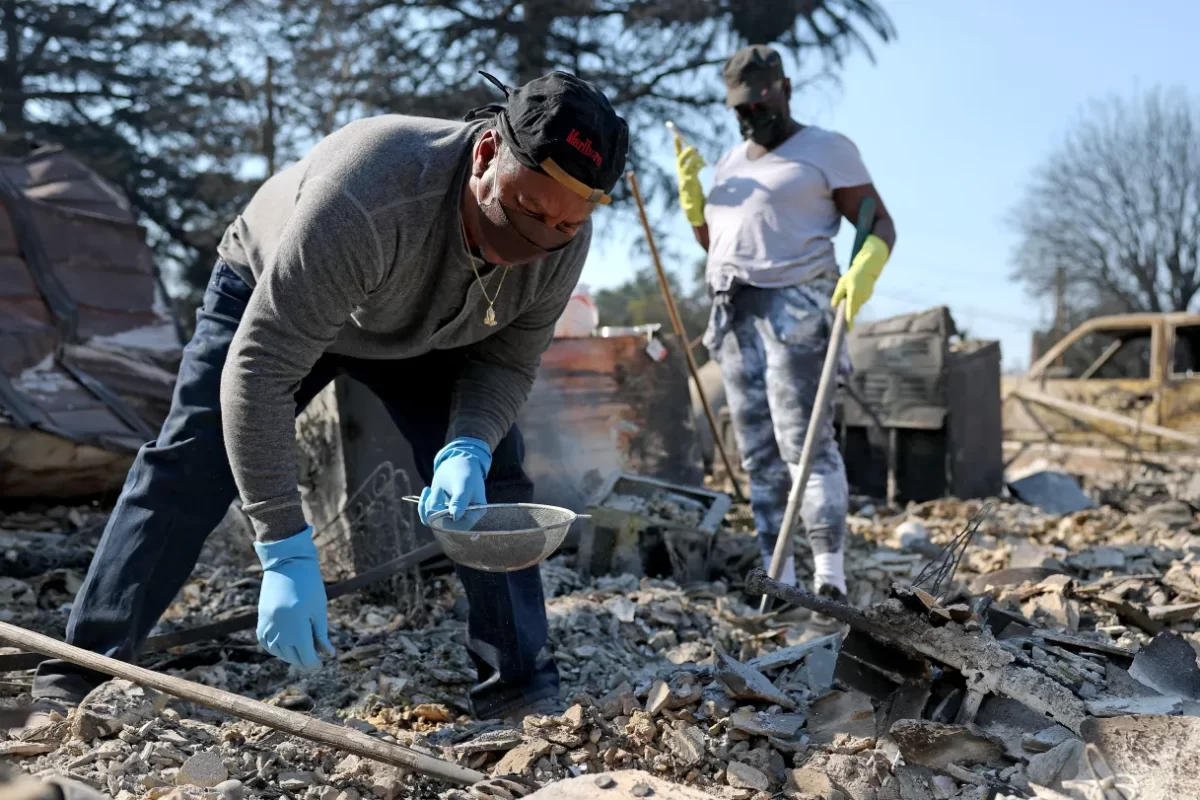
[269, 124]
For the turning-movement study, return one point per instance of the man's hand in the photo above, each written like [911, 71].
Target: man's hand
[688, 163]
[856, 286]
[292, 616]
[458, 473]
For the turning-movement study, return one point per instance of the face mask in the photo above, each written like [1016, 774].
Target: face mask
[517, 238]
[763, 124]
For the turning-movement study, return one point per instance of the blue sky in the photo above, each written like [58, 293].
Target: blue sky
[952, 121]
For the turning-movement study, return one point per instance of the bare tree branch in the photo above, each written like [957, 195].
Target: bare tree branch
[1117, 208]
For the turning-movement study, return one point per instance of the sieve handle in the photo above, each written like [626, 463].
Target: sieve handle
[413, 498]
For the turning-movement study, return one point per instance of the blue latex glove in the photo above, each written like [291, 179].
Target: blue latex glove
[292, 619]
[458, 473]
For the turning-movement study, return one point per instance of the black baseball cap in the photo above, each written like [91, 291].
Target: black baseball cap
[751, 74]
[563, 126]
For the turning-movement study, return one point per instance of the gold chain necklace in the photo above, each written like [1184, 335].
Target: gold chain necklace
[489, 317]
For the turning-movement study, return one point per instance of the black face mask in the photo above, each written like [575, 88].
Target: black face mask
[762, 124]
[515, 237]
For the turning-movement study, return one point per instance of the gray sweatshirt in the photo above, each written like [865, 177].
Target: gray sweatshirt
[357, 249]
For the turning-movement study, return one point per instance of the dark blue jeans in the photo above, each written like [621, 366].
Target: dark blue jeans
[181, 484]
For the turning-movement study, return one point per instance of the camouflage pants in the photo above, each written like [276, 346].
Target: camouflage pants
[770, 344]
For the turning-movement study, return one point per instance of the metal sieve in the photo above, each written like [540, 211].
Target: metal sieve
[502, 537]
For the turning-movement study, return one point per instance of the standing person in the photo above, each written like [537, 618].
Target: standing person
[427, 259]
[768, 224]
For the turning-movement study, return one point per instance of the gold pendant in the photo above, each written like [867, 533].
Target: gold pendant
[489, 318]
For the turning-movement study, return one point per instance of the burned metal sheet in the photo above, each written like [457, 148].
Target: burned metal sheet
[88, 348]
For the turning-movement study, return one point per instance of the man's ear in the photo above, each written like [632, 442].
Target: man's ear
[485, 151]
[787, 88]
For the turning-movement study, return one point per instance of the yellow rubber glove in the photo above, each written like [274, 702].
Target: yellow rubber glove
[688, 163]
[856, 286]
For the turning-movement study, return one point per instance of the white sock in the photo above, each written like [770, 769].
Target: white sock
[788, 576]
[830, 568]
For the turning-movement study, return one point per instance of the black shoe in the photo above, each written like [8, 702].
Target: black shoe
[821, 623]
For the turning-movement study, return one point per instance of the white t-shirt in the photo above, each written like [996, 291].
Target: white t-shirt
[771, 222]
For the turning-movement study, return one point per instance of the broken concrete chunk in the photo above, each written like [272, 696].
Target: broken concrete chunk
[743, 682]
[111, 706]
[657, 699]
[574, 717]
[811, 781]
[1055, 765]
[235, 790]
[25, 749]
[622, 608]
[686, 745]
[295, 781]
[850, 713]
[641, 728]
[520, 760]
[1168, 666]
[205, 770]
[936, 745]
[489, 742]
[1097, 558]
[1047, 739]
[15, 593]
[620, 702]
[743, 776]
[432, 712]
[351, 767]
[688, 653]
[944, 788]
[387, 782]
[1173, 514]
[1173, 614]
[1059, 610]
[1122, 706]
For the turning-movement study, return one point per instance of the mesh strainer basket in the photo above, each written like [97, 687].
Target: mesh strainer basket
[502, 537]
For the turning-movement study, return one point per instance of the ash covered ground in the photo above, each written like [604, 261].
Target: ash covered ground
[688, 683]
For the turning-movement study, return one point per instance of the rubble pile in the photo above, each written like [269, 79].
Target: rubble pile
[1059, 631]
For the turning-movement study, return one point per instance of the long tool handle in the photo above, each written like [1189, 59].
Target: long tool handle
[677, 324]
[280, 719]
[816, 423]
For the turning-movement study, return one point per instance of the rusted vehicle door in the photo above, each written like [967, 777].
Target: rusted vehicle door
[1181, 389]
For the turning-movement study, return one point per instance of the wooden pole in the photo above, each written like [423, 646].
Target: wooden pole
[677, 324]
[280, 719]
